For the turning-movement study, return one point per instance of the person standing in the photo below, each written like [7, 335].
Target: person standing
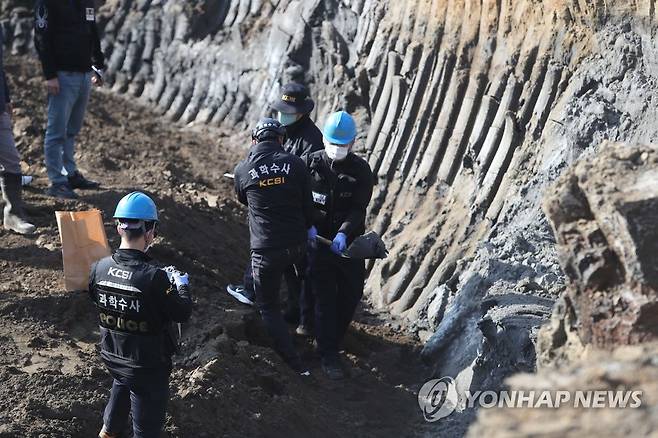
[293, 110]
[342, 185]
[67, 41]
[137, 303]
[303, 137]
[10, 161]
[275, 187]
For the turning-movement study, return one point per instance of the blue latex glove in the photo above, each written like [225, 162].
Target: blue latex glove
[312, 236]
[339, 244]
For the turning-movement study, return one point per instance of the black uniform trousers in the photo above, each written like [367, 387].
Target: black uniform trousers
[145, 397]
[268, 266]
[300, 302]
[337, 284]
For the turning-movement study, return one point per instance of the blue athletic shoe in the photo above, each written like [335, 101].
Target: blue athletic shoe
[241, 294]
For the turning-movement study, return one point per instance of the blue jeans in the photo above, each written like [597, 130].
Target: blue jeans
[147, 401]
[10, 160]
[66, 112]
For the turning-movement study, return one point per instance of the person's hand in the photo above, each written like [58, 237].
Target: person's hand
[52, 85]
[176, 277]
[96, 80]
[339, 245]
[181, 279]
[169, 270]
[312, 236]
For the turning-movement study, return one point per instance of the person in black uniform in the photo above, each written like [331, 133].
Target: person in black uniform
[294, 112]
[303, 137]
[137, 303]
[342, 185]
[275, 187]
[67, 40]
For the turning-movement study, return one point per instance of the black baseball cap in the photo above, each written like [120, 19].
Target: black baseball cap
[294, 99]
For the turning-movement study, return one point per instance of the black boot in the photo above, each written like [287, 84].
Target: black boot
[77, 181]
[62, 191]
[333, 367]
[13, 212]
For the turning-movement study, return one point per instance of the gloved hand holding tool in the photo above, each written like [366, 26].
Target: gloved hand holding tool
[312, 236]
[339, 244]
[368, 246]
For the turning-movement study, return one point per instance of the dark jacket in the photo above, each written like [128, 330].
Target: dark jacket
[275, 186]
[4, 86]
[136, 304]
[341, 193]
[303, 138]
[66, 36]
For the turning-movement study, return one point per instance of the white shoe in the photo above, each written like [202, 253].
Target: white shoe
[303, 330]
[105, 434]
[241, 294]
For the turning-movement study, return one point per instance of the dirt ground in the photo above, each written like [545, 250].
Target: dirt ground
[227, 381]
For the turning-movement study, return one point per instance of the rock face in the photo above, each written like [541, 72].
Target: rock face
[468, 111]
[221, 62]
[17, 24]
[603, 212]
[632, 369]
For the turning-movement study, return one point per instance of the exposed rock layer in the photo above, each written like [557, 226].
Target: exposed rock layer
[603, 212]
[622, 372]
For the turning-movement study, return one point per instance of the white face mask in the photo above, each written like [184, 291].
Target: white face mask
[287, 119]
[336, 152]
[150, 245]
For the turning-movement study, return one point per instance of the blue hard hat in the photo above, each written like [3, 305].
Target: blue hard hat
[340, 128]
[136, 205]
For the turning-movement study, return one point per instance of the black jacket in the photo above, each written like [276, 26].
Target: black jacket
[303, 138]
[275, 186]
[66, 36]
[341, 194]
[136, 305]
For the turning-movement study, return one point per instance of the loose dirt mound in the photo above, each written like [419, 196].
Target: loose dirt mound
[227, 382]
